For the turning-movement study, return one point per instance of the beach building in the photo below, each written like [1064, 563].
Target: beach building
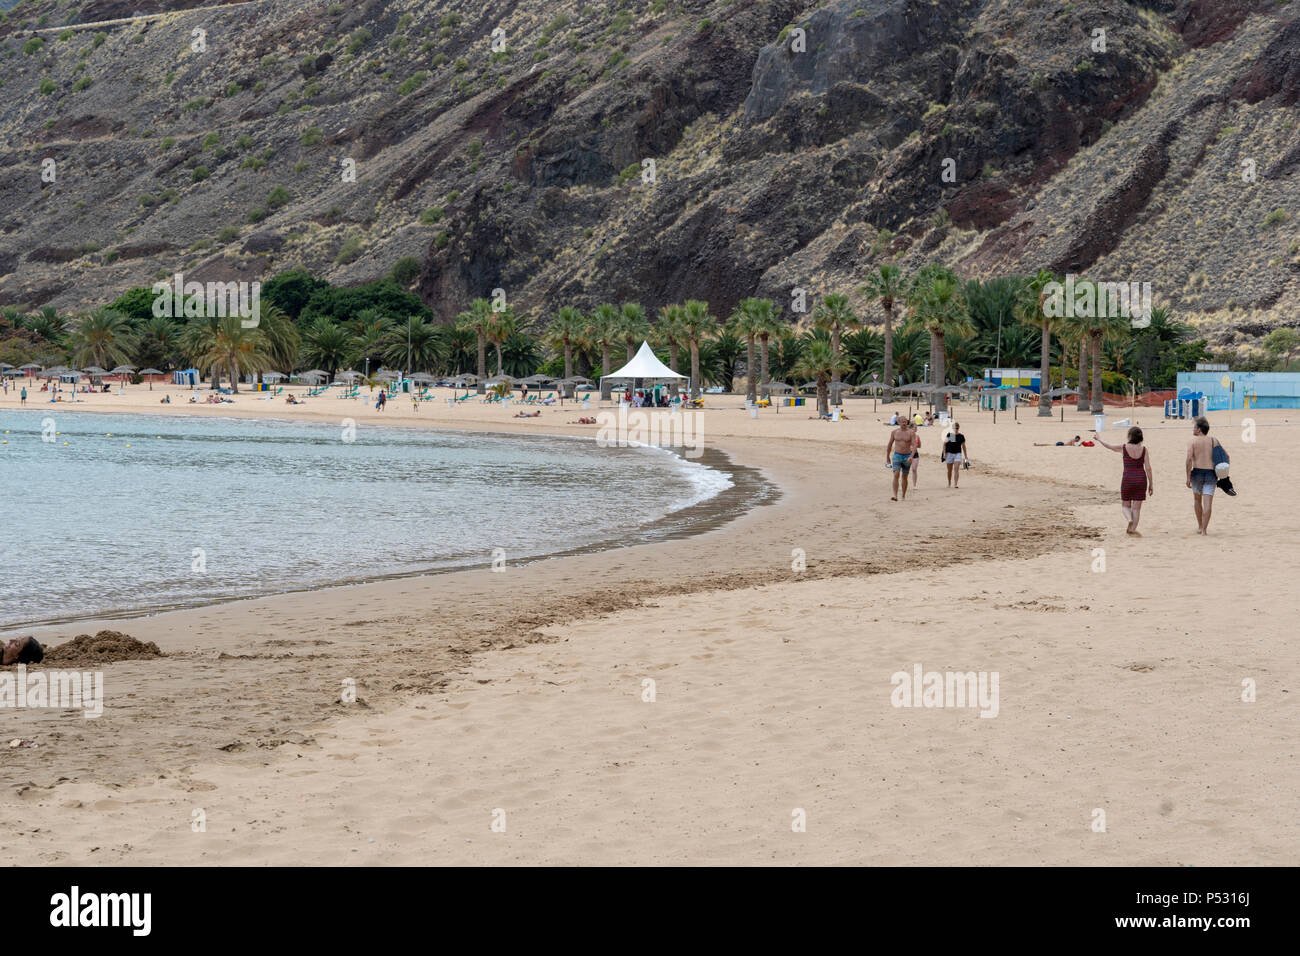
[1225, 390]
[1030, 378]
[189, 376]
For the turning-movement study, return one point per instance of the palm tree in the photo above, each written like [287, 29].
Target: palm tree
[633, 328]
[835, 315]
[567, 330]
[746, 323]
[602, 330]
[47, 323]
[416, 345]
[102, 338]
[197, 340]
[476, 319]
[1109, 327]
[886, 285]
[820, 362]
[327, 345]
[1076, 328]
[158, 341]
[281, 339]
[937, 304]
[768, 326]
[370, 331]
[501, 326]
[1031, 311]
[670, 333]
[697, 326]
[240, 350]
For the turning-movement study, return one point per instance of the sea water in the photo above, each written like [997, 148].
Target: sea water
[172, 511]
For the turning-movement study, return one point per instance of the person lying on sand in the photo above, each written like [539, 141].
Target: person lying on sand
[536, 414]
[584, 421]
[1076, 440]
[22, 650]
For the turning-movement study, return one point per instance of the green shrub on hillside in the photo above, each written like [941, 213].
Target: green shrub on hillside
[350, 251]
[279, 197]
[412, 83]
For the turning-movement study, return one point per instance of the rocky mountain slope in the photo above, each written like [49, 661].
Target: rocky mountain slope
[655, 150]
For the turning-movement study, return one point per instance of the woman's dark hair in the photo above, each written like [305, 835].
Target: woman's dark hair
[32, 652]
[1135, 436]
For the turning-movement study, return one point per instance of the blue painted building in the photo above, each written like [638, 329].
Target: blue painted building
[1227, 390]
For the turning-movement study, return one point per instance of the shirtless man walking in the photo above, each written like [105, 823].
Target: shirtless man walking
[898, 455]
[1200, 473]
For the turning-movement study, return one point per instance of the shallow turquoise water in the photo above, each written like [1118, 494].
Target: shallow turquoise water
[205, 509]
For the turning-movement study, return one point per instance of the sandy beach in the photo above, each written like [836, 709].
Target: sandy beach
[770, 639]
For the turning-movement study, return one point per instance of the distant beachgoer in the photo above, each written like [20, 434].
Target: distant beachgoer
[1076, 440]
[22, 650]
[954, 454]
[383, 400]
[898, 455]
[916, 457]
[23, 396]
[893, 419]
[1136, 482]
[1201, 476]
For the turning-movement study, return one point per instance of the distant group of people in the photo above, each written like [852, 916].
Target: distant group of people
[918, 419]
[903, 454]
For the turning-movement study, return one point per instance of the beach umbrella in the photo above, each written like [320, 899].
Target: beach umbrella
[151, 371]
[273, 376]
[1018, 393]
[423, 378]
[876, 389]
[1062, 393]
[5, 366]
[570, 383]
[465, 378]
[349, 376]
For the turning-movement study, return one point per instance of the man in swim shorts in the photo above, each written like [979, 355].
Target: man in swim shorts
[898, 455]
[1201, 477]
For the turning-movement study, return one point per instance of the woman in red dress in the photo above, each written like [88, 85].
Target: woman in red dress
[1136, 483]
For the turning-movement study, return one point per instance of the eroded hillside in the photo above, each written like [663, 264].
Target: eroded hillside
[792, 145]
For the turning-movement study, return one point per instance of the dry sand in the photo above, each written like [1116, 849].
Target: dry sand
[522, 691]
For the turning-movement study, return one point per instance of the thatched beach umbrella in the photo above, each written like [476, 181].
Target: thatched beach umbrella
[151, 371]
[500, 380]
[1062, 392]
[875, 389]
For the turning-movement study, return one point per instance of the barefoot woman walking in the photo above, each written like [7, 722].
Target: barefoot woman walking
[1136, 483]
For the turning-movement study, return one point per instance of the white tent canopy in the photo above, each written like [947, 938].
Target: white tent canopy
[645, 364]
